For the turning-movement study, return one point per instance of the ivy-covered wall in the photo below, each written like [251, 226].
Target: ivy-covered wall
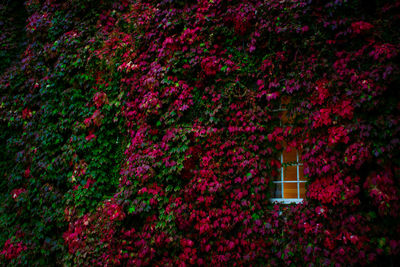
[145, 133]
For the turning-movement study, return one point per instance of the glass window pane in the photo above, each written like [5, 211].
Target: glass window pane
[287, 117]
[302, 190]
[284, 117]
[290, 173]
[290, 156]
[276, 190]
[285, 100]
[290, 190]
[301, 173]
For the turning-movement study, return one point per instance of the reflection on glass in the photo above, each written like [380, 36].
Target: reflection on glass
[276, 190]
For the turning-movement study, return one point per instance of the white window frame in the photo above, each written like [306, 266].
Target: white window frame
[282, 181]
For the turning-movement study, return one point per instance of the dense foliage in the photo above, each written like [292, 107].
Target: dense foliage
[147, 133]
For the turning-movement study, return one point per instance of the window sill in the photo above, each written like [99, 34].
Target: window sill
[286, 200]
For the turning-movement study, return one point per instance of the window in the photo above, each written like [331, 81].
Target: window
[289, 186]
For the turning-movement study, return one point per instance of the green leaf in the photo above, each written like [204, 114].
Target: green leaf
[131, 209]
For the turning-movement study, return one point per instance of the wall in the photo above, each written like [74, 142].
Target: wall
[145, 133]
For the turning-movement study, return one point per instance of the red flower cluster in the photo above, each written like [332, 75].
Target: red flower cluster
[12, 249]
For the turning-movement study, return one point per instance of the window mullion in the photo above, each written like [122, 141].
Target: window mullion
[283, 187]
[298, 174]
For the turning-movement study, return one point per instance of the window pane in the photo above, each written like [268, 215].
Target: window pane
[290, 156]
[284, 117]
[285, 100]
[276, 190]
[290, 190]
[290, 173]
[301, 173]
[302, 190]
[287, 117]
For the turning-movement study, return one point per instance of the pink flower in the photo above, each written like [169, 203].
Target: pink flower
[210, 65]
[89, 182]
[87, 122]
[100, 98]
[12, 250]
[26, 113]
[90, 137]
[16, 192]
[361, 27]
[338, 134]
[322, 117]
[27, 172]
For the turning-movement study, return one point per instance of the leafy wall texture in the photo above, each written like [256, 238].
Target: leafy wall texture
[147, 133]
